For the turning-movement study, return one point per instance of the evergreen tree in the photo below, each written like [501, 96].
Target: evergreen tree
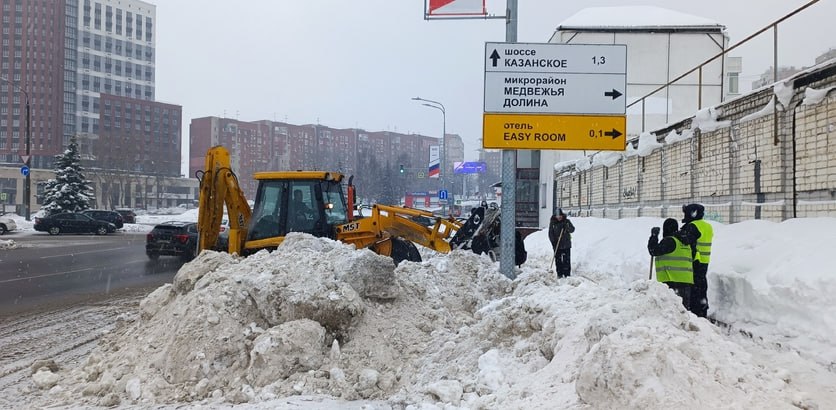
[70, 191]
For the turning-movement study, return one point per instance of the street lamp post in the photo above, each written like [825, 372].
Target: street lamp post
[27, 203]
[441, 172]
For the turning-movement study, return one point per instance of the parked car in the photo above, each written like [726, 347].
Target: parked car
[128, 215]
[7, 224]
[73, 222]
[173, 238]
[109, 216]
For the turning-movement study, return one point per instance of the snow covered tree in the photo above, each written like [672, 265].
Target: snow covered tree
[70, 191]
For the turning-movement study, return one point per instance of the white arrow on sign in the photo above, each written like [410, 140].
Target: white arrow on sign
[25, 158]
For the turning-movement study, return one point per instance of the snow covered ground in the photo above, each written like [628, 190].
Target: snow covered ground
[320, 325]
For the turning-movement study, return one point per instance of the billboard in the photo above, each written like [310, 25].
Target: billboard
[469, 167]
[434, 169]
[457, 8]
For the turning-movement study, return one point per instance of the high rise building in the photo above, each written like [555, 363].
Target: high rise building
[88, 70]
[31, 68]
[115, 55]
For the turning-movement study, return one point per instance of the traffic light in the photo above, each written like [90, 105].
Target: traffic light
[402, 170]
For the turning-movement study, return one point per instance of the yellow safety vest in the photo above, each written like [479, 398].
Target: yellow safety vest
[704, 242]
[676, 266]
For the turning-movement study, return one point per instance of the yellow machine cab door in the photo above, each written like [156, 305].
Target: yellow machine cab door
[297, 205]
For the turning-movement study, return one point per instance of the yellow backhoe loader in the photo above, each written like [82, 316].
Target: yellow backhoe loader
[314, 202]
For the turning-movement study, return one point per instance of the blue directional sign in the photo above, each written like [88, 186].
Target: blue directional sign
[24, 170]
[442, 194]
[469, 167]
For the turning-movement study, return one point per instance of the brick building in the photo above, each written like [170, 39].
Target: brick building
[32, 39]
[270, 145]
[138, 135]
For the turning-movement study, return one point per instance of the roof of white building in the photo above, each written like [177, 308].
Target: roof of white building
[635, 18]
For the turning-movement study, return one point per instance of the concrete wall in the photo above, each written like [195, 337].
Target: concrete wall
[742, 170]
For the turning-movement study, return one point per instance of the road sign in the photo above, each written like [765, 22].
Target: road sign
[442, 194]
[556, 58]
[576, 93]
[24, 170]
[538, 78]
[551, 132]
[25, 159]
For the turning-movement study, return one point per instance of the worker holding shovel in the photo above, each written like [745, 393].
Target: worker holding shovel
[560, 235]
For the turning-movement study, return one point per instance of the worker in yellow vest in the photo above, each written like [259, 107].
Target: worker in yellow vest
[698, 234]
[673, 260]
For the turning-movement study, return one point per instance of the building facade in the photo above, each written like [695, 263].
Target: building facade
[88, 68]
[32, 72]
[137, 135]
[115, 52]
[270, 145]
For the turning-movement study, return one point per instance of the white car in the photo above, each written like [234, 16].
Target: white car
[7, 224]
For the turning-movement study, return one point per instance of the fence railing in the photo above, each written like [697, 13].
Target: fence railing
[699, 68]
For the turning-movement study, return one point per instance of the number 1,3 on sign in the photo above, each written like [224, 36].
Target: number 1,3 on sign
[599, 60]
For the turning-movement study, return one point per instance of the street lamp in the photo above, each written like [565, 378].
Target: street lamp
[27, 185]
[439, 106]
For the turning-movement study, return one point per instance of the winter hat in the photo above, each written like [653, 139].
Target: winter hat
[692, 212]
[560, 212]
[669, 227]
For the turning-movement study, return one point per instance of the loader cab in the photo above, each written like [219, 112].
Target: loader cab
[310, 202]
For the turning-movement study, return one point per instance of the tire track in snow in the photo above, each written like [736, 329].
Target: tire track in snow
[65, 335]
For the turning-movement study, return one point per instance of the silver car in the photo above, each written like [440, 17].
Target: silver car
[7, 224]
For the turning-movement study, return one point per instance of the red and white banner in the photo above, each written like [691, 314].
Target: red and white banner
[457, 8]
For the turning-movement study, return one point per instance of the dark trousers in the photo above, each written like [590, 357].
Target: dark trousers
[563, 262]
[699, 296]
[683, 290]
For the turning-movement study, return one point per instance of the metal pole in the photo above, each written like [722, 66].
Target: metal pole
[439, 106]
[441, 171]
[509, 173]
[27, 189]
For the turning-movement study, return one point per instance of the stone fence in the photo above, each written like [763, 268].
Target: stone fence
[732, 158]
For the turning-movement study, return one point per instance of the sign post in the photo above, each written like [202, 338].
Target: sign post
[549, 97]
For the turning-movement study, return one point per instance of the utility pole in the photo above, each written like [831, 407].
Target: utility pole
[507, 220]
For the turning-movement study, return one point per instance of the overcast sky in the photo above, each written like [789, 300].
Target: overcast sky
[357, 63]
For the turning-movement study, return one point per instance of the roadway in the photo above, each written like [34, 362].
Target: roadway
[54, 271]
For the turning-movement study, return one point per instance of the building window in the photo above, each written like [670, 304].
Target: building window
[734, 83]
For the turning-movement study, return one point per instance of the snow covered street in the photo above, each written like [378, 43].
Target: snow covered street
[318, 324]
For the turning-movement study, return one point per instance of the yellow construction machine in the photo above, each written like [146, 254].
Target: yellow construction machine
[315, 202]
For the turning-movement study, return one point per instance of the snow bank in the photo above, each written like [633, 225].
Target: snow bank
[169, 214]
[317, 318]
[22, 223]
[8, 244]
[773, 279]
[136, 228]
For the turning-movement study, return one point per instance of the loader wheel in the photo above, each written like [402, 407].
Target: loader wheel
[403, 250]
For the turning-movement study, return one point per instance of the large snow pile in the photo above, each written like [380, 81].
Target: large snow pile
[317, 317]
[773, 279]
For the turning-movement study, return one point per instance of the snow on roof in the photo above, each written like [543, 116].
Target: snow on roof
[635, 17]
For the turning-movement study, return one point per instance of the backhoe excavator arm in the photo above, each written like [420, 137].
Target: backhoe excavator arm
[219, 186]
[387, 222]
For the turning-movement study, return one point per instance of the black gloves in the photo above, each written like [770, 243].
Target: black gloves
[654, 231]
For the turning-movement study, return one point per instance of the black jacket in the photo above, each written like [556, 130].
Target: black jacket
[555, 228]
[667, 245]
